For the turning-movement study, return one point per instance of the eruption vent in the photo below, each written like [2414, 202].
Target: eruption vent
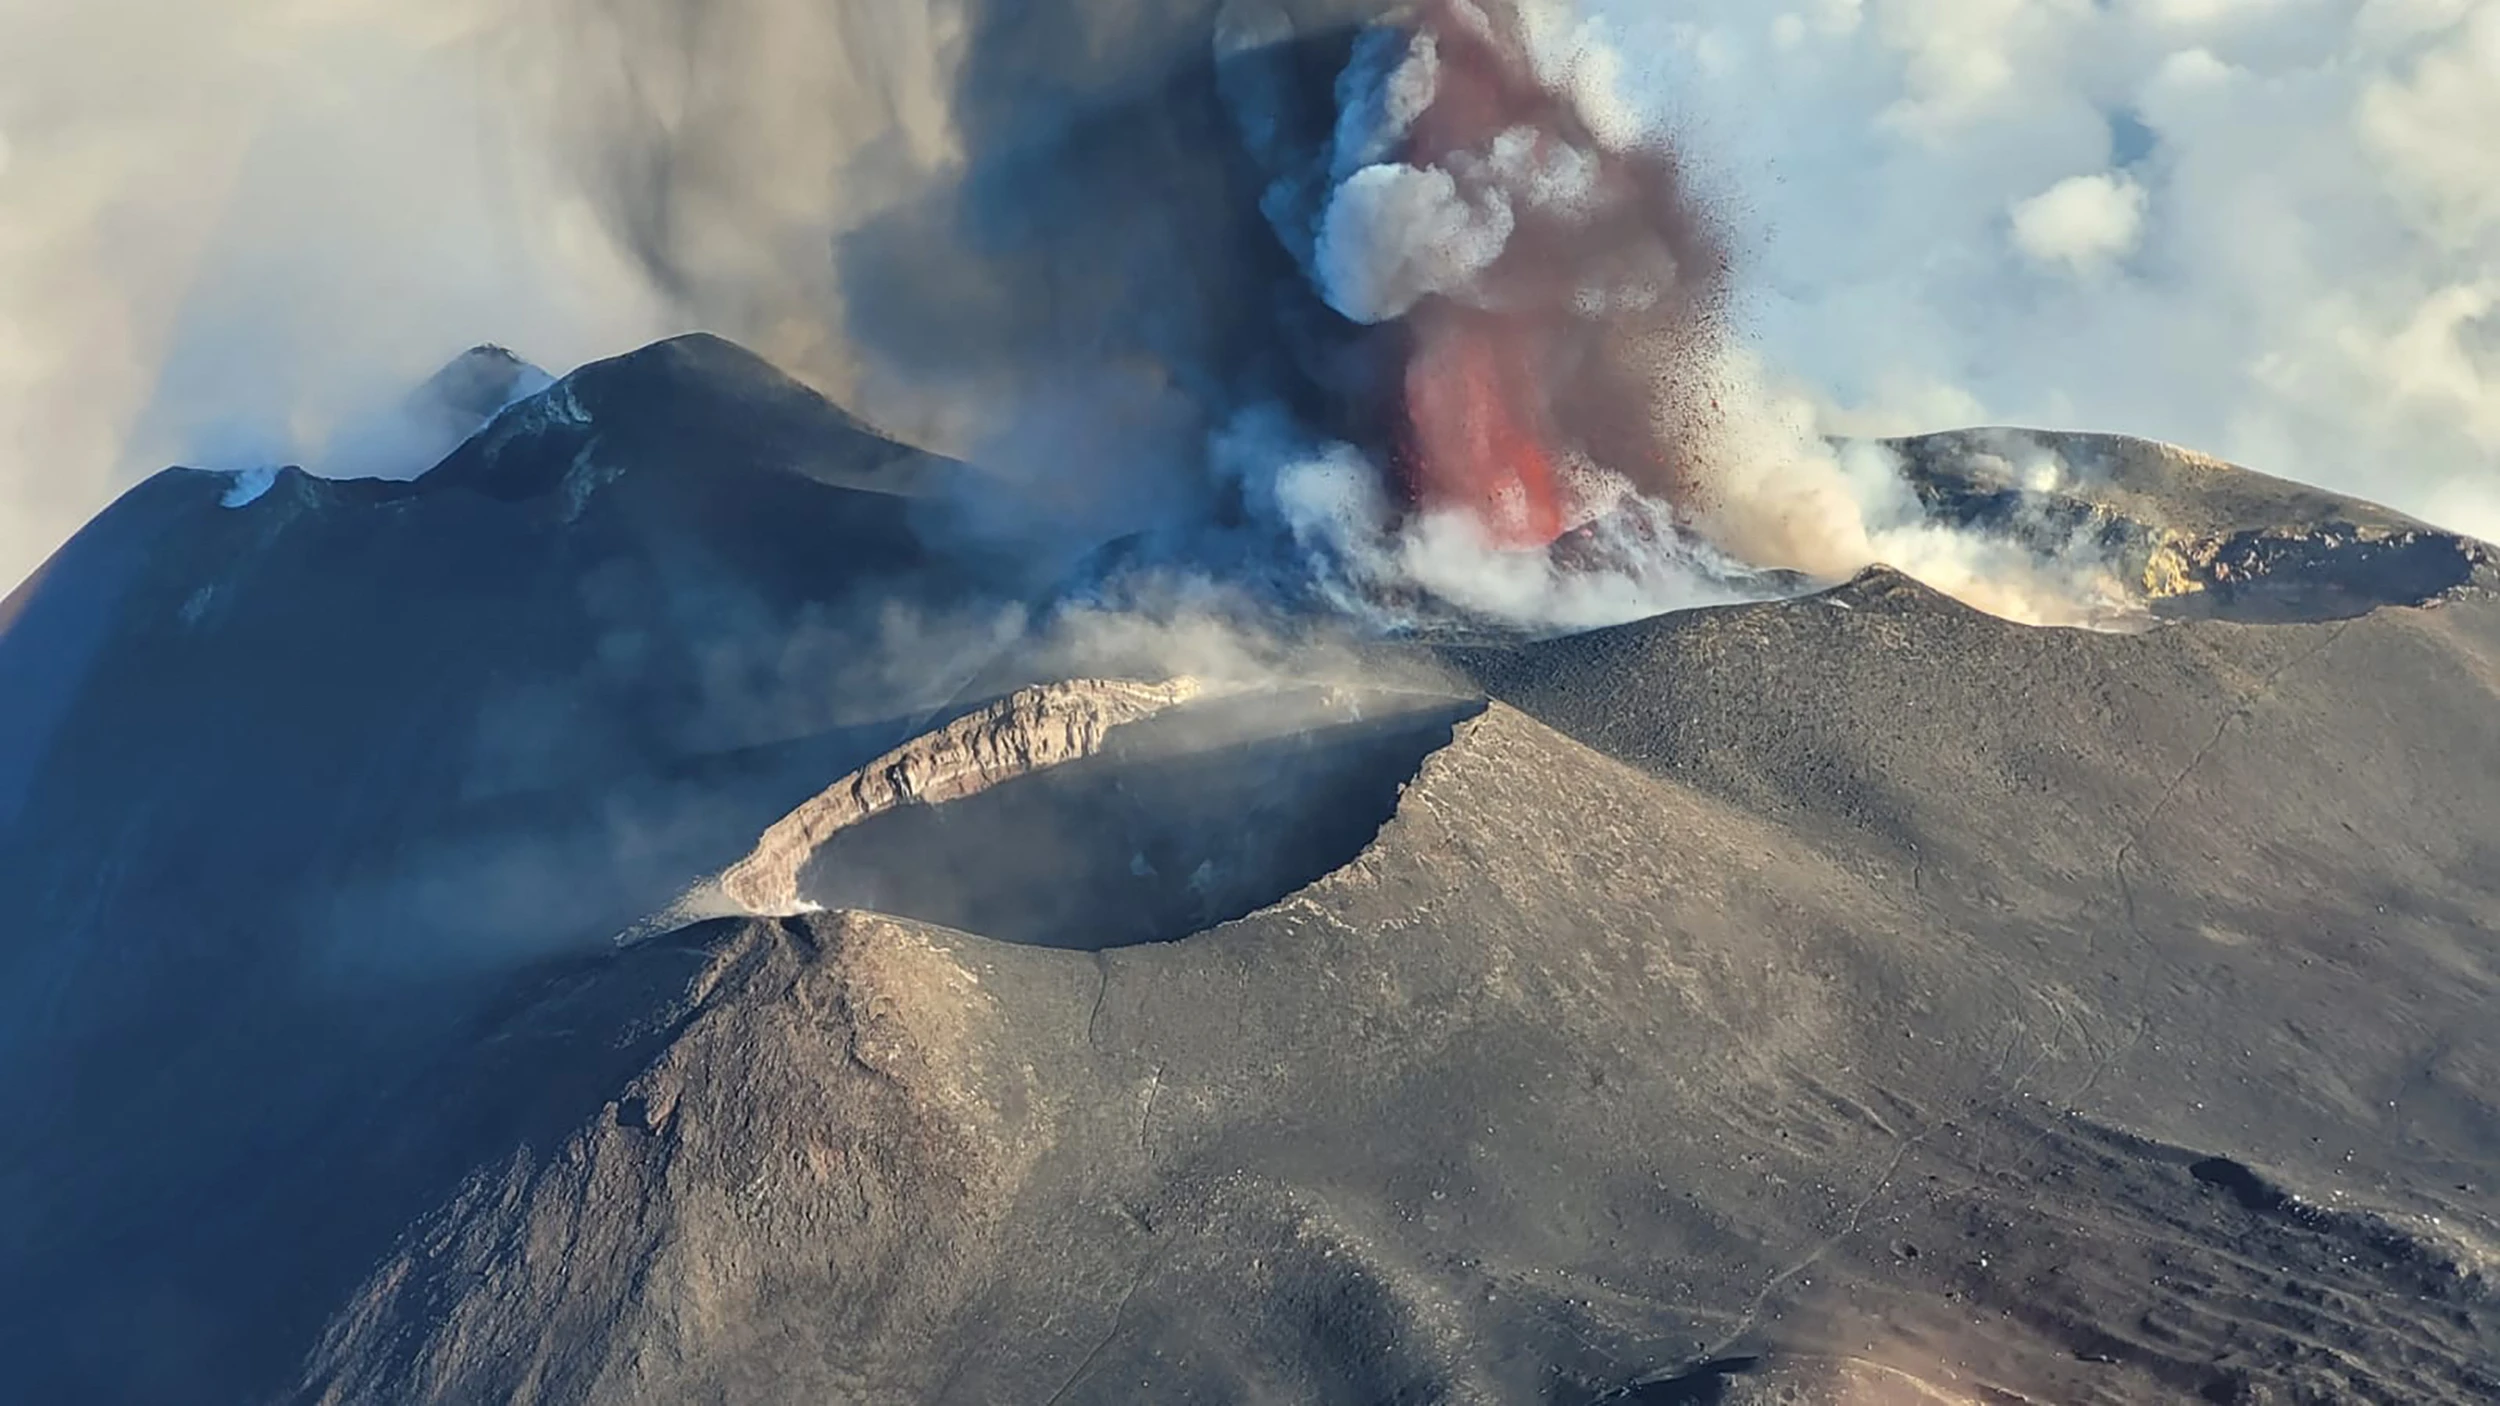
[1472, 443]
[1556, 292]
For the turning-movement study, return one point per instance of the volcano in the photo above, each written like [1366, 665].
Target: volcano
[1380, 224]
[620, 918]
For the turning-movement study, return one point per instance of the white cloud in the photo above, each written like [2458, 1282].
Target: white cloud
[2083, 223]
[2289, 212]
[2433, 123]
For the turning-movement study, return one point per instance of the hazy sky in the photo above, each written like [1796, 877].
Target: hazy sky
[2269, 229]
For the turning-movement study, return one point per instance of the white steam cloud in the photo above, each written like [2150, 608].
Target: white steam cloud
[1395, 234]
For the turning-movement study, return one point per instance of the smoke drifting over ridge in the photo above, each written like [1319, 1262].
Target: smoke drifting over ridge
[769, 169]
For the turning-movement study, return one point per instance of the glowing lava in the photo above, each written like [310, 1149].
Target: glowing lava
[1478, 437]
[1472, 444]
[1574, 358]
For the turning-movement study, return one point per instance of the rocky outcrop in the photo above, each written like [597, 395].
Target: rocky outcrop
[2194, 536]
[1029, 731]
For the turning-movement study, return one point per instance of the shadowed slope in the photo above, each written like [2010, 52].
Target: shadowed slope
[290, 778]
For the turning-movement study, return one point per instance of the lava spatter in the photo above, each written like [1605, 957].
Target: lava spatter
[1574, 343]
[1473, 442]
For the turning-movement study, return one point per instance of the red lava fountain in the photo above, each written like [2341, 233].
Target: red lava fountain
[1599, 305]
[1473, 444]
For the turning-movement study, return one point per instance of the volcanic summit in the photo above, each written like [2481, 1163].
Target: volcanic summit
[567, 957]
[1430, 849]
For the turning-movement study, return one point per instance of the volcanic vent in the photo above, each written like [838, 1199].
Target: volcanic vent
[1099, 814]
[2193, 537]
[1403, 279]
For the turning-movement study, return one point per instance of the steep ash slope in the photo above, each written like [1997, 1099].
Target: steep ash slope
[292, 770]
[1873, 988]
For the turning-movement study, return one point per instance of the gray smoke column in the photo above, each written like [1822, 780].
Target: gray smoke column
[1324, 294]
[1118, 226]
[936, 210]
[1428, 235]
[1399, 303]
[1562, 289]
[1332, 272]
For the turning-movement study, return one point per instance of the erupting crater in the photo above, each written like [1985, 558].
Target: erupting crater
[1471, 445]
[1575, 287]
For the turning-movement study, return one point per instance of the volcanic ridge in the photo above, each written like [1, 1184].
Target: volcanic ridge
[1848, 996]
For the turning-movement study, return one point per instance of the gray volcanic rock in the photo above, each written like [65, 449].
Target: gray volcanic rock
[1805, 998]
[1849, 998]
[2201, 539]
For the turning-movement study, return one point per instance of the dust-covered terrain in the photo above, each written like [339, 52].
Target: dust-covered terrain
[649, 912]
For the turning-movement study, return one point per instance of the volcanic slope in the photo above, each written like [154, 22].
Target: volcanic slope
[294, 772]
[1854, 998]
[1813, 997]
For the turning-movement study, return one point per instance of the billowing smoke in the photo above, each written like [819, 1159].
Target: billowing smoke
[1561, 292]
[1411, 307]
[1113, 248]
[1567, 432]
